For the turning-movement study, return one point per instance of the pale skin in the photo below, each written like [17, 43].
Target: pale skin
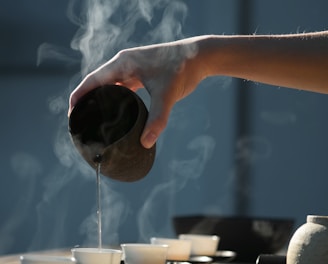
[171, 71]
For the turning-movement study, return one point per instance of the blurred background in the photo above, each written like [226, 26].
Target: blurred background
[231, 148]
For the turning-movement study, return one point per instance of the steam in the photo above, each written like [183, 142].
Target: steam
[186, 163]
[161, 199]
[114, 209]
[27, 167]
[105, 27]
[108, 26]
[279, 118]
[252, 149]
[249, 151]
[48, 51]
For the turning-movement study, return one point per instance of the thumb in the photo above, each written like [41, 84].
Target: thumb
[157, 120]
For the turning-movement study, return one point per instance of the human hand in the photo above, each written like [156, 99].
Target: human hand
[168, 71]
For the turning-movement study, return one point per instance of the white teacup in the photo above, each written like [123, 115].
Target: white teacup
[44, 259]
[97, 255]
[202, 245]
[137, 253]
[178, 249]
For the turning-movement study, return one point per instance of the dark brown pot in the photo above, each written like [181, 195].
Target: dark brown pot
[105, 126]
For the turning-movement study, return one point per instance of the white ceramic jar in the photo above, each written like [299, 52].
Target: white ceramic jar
[309, 244]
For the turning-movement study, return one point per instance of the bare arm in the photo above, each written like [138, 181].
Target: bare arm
[171, 71]
[297, 61]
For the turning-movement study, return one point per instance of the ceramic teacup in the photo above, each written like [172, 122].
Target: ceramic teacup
[202, 245]
[178, 249]
[135, 253]
[97, 255]
[44, 259]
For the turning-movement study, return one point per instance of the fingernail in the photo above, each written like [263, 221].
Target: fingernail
[149, 140]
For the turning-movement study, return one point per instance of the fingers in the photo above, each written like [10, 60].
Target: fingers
[157, 120]
[89, 83]
[110, 73]
[122, 70]
[154, 127]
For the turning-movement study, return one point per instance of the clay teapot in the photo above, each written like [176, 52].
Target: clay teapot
[105, 126]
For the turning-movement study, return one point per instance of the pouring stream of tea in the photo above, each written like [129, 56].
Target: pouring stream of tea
[99, 202]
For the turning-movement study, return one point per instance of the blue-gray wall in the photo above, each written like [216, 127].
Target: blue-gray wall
[207, 160]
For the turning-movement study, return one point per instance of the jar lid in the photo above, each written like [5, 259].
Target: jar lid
[317, 219]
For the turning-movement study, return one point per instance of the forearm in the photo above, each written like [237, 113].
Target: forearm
[297, 61]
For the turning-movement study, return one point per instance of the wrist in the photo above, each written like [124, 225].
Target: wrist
[212, 54]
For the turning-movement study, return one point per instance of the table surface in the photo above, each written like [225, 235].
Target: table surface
[15, 259]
